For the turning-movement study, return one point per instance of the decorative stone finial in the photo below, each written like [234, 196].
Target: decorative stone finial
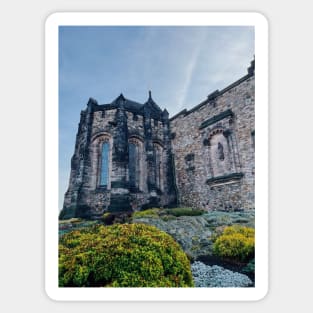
[252, 67]
[120, 100]
[92, 101]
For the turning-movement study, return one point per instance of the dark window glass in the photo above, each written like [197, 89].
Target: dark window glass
[104, 178]
[157, 160]
[133, 165]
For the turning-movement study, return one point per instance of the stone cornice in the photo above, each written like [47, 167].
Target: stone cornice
[225, 178]
[216, 118]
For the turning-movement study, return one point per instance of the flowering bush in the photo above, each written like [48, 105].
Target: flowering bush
[236, 242]
[122, 255]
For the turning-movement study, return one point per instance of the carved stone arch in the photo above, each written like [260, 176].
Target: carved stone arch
[215, 130]
[136, 139]
[221, 156]
[101, 135]
[158, 142]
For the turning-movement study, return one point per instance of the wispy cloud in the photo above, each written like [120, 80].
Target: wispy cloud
[190, 67]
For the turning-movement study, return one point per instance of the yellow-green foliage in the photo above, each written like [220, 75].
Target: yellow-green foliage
[236, 242]
[122, 255]
[106, 215]
[154, 212]
[185, 212]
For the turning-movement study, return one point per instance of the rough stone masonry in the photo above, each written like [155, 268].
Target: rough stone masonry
[130, 156]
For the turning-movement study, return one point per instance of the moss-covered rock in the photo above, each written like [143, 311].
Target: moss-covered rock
[196, 234]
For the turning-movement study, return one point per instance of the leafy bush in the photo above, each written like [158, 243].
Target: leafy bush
[236, 242]
[184, 212]
[122, 255]
[147, 213]
[237, 229]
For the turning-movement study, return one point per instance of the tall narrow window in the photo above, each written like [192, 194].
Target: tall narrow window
[158, 165]
[104, 176]
[135, 165]
[253, 139]
[132, 165]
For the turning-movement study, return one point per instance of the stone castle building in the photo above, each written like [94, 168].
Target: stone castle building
[131, 156]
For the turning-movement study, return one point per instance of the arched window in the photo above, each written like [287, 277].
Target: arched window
[104, 169]
[135, 163]
[158, 166]
[220, 158]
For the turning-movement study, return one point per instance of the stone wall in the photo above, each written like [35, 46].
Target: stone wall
[213, 146]
[119, 124]
[204, 155]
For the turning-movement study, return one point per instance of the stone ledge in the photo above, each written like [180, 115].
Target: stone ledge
[216, 118]
[119, 184]
[225, 178]
[102, 189]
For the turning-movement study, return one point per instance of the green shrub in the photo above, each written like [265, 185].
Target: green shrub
[237, 229]
[122, 255]
[154, 212]
[236, 242]
[184, 212]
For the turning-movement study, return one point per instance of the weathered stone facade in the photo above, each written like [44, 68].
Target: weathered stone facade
[130, 156]
[213, 144]
[122, 160]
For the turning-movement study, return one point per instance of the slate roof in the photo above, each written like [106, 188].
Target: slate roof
[132, 106]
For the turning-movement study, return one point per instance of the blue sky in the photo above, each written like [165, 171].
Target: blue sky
[180, 65]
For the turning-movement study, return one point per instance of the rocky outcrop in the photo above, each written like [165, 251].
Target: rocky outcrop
[217, 276]
[194, 233]
[191, 232]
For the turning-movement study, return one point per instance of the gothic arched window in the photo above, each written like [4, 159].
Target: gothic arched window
[104, 169]
[158, 165]
[133, 165]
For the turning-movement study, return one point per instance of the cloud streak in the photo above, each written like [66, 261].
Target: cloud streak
[190, 68]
